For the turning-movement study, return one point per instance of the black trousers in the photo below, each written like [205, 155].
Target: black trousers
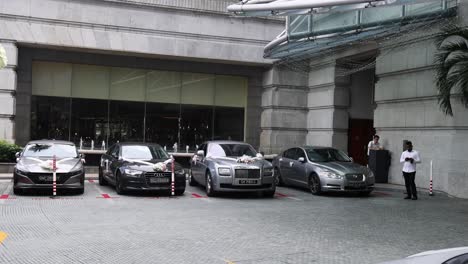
[409, 183]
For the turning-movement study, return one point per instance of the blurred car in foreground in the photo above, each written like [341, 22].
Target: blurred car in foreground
[443, 256]
[322, 169]
[140, 167]
[34, 168]
[231, 166]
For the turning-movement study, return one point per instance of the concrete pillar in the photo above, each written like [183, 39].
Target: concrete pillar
[284, 109]
[328, 102]
[8, 91]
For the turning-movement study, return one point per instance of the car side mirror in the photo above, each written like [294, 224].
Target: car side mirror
[201, 153]
[301, 159]
[351, 159]
[18, 154]
[82, 157]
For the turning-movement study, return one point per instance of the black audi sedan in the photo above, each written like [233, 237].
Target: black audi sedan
[34, 167]
[140, 166]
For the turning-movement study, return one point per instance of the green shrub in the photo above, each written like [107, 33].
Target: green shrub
[8, 151]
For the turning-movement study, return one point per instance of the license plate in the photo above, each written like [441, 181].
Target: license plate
[248, 181]
[357, 184]
[45, 178]
[159, 180]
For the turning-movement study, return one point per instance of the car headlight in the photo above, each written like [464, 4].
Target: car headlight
[20, 171]
[330, 174]
[370, 174]
[224, 171]
[268, 172]
[131, 172]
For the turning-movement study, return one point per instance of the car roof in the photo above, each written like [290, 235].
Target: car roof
[317, 147]
[51, 141]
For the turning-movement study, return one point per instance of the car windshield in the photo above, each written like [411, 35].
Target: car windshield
[231, 150]
[144, 152]
[327, 155]
[38, 150]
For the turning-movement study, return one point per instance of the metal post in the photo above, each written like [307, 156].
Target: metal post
[430, 180]
[172, 176]
[54, 177]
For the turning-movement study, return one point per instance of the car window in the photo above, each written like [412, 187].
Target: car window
[300, 153]
[327, 155]
[462, 259]
[109, 151]
[289, 154]
[50, 150]
[231, 150]
[142, 152]
[115, 152]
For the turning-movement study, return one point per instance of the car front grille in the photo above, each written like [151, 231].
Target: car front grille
[354, 177]
[46, 177]
[247, 173]
[158, 178]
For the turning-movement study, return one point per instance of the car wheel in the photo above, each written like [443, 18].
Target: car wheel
[179, 192]
[118, 184]
[191, 180]
[278, 178]
[314, 185]
[209, 185]
[17, 191]
[102, 181]
[365, 193]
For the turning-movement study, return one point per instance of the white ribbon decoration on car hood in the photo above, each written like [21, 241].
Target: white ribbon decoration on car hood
[160, 166]
[48, 164]
[243, 159]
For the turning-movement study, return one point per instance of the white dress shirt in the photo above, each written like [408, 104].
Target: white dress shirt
[372, 145]
[407, 165]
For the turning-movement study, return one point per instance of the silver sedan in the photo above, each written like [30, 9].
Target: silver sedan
[230, 166]
[322, 169]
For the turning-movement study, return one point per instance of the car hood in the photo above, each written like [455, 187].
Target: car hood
[34, 165]
[342, 167]
[231, 161]
[148, 168]
[432, 257]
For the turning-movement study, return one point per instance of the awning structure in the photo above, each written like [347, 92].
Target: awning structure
[315, 25]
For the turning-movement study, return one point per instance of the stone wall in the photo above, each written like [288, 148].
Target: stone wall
[407, 109]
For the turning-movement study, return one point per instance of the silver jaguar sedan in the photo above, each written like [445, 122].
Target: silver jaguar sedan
[231, 166]
[322, 169]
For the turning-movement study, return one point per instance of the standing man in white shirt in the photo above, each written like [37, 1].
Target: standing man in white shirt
[409, 158]
[374, 144]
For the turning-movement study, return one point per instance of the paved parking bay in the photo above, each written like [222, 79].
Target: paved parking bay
[294, 227]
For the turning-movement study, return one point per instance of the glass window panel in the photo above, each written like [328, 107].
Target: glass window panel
[127, 84]
[371, 15]
[229, 123]
[50, 117]
[126, 121]
[330, 21]
[418, 9]
[51, 79]
[163, 86]
[196, 125]
[89, 123]
[162, 124]
[198, 88]
[90, 81]
[298, 24]
[231, 91]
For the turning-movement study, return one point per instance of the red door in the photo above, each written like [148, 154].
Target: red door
[359, 134]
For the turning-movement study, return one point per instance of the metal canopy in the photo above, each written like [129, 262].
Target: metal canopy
[315, 25]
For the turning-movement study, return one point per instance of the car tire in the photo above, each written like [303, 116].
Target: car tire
[191, 180]
[80, 191]
[314, 185]
[365, 193]
[118, 185]
[179, 192]
[17, 191]
[278, 178]
[209, 185]
[269, 194]
[101, 179]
